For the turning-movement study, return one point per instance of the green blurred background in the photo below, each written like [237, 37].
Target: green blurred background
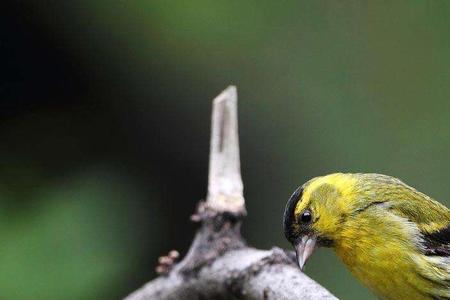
[105, 115]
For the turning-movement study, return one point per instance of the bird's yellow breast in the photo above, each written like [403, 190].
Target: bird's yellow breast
[384, 257]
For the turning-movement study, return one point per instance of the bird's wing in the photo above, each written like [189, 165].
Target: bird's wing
[431, 217]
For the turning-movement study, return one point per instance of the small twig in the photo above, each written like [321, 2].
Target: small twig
[225, 188]
[166, 263]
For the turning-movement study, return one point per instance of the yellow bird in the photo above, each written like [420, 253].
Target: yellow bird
[393, 238]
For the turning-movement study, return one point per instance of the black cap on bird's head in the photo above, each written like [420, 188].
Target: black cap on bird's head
[288, 218]
[297, 230]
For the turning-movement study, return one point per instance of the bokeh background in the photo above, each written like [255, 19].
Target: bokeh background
[105, 116]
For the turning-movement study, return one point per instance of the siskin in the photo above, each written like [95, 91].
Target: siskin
[393, 238]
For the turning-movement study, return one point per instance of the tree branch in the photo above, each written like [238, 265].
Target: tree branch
[240, 274]
[219, 265]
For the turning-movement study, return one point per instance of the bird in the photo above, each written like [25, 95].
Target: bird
[393, 238]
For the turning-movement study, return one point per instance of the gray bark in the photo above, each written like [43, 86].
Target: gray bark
[246, 273]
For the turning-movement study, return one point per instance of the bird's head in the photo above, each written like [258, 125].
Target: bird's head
[317, 211]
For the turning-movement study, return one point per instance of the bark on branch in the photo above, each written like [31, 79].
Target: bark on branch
[219, 264]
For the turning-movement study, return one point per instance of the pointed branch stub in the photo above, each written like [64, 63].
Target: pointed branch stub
[225, 188]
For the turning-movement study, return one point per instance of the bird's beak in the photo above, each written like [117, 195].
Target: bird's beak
[304, 248]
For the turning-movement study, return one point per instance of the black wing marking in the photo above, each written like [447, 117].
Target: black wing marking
[438, 242]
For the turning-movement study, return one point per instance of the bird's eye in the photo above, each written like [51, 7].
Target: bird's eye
[305, 217]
